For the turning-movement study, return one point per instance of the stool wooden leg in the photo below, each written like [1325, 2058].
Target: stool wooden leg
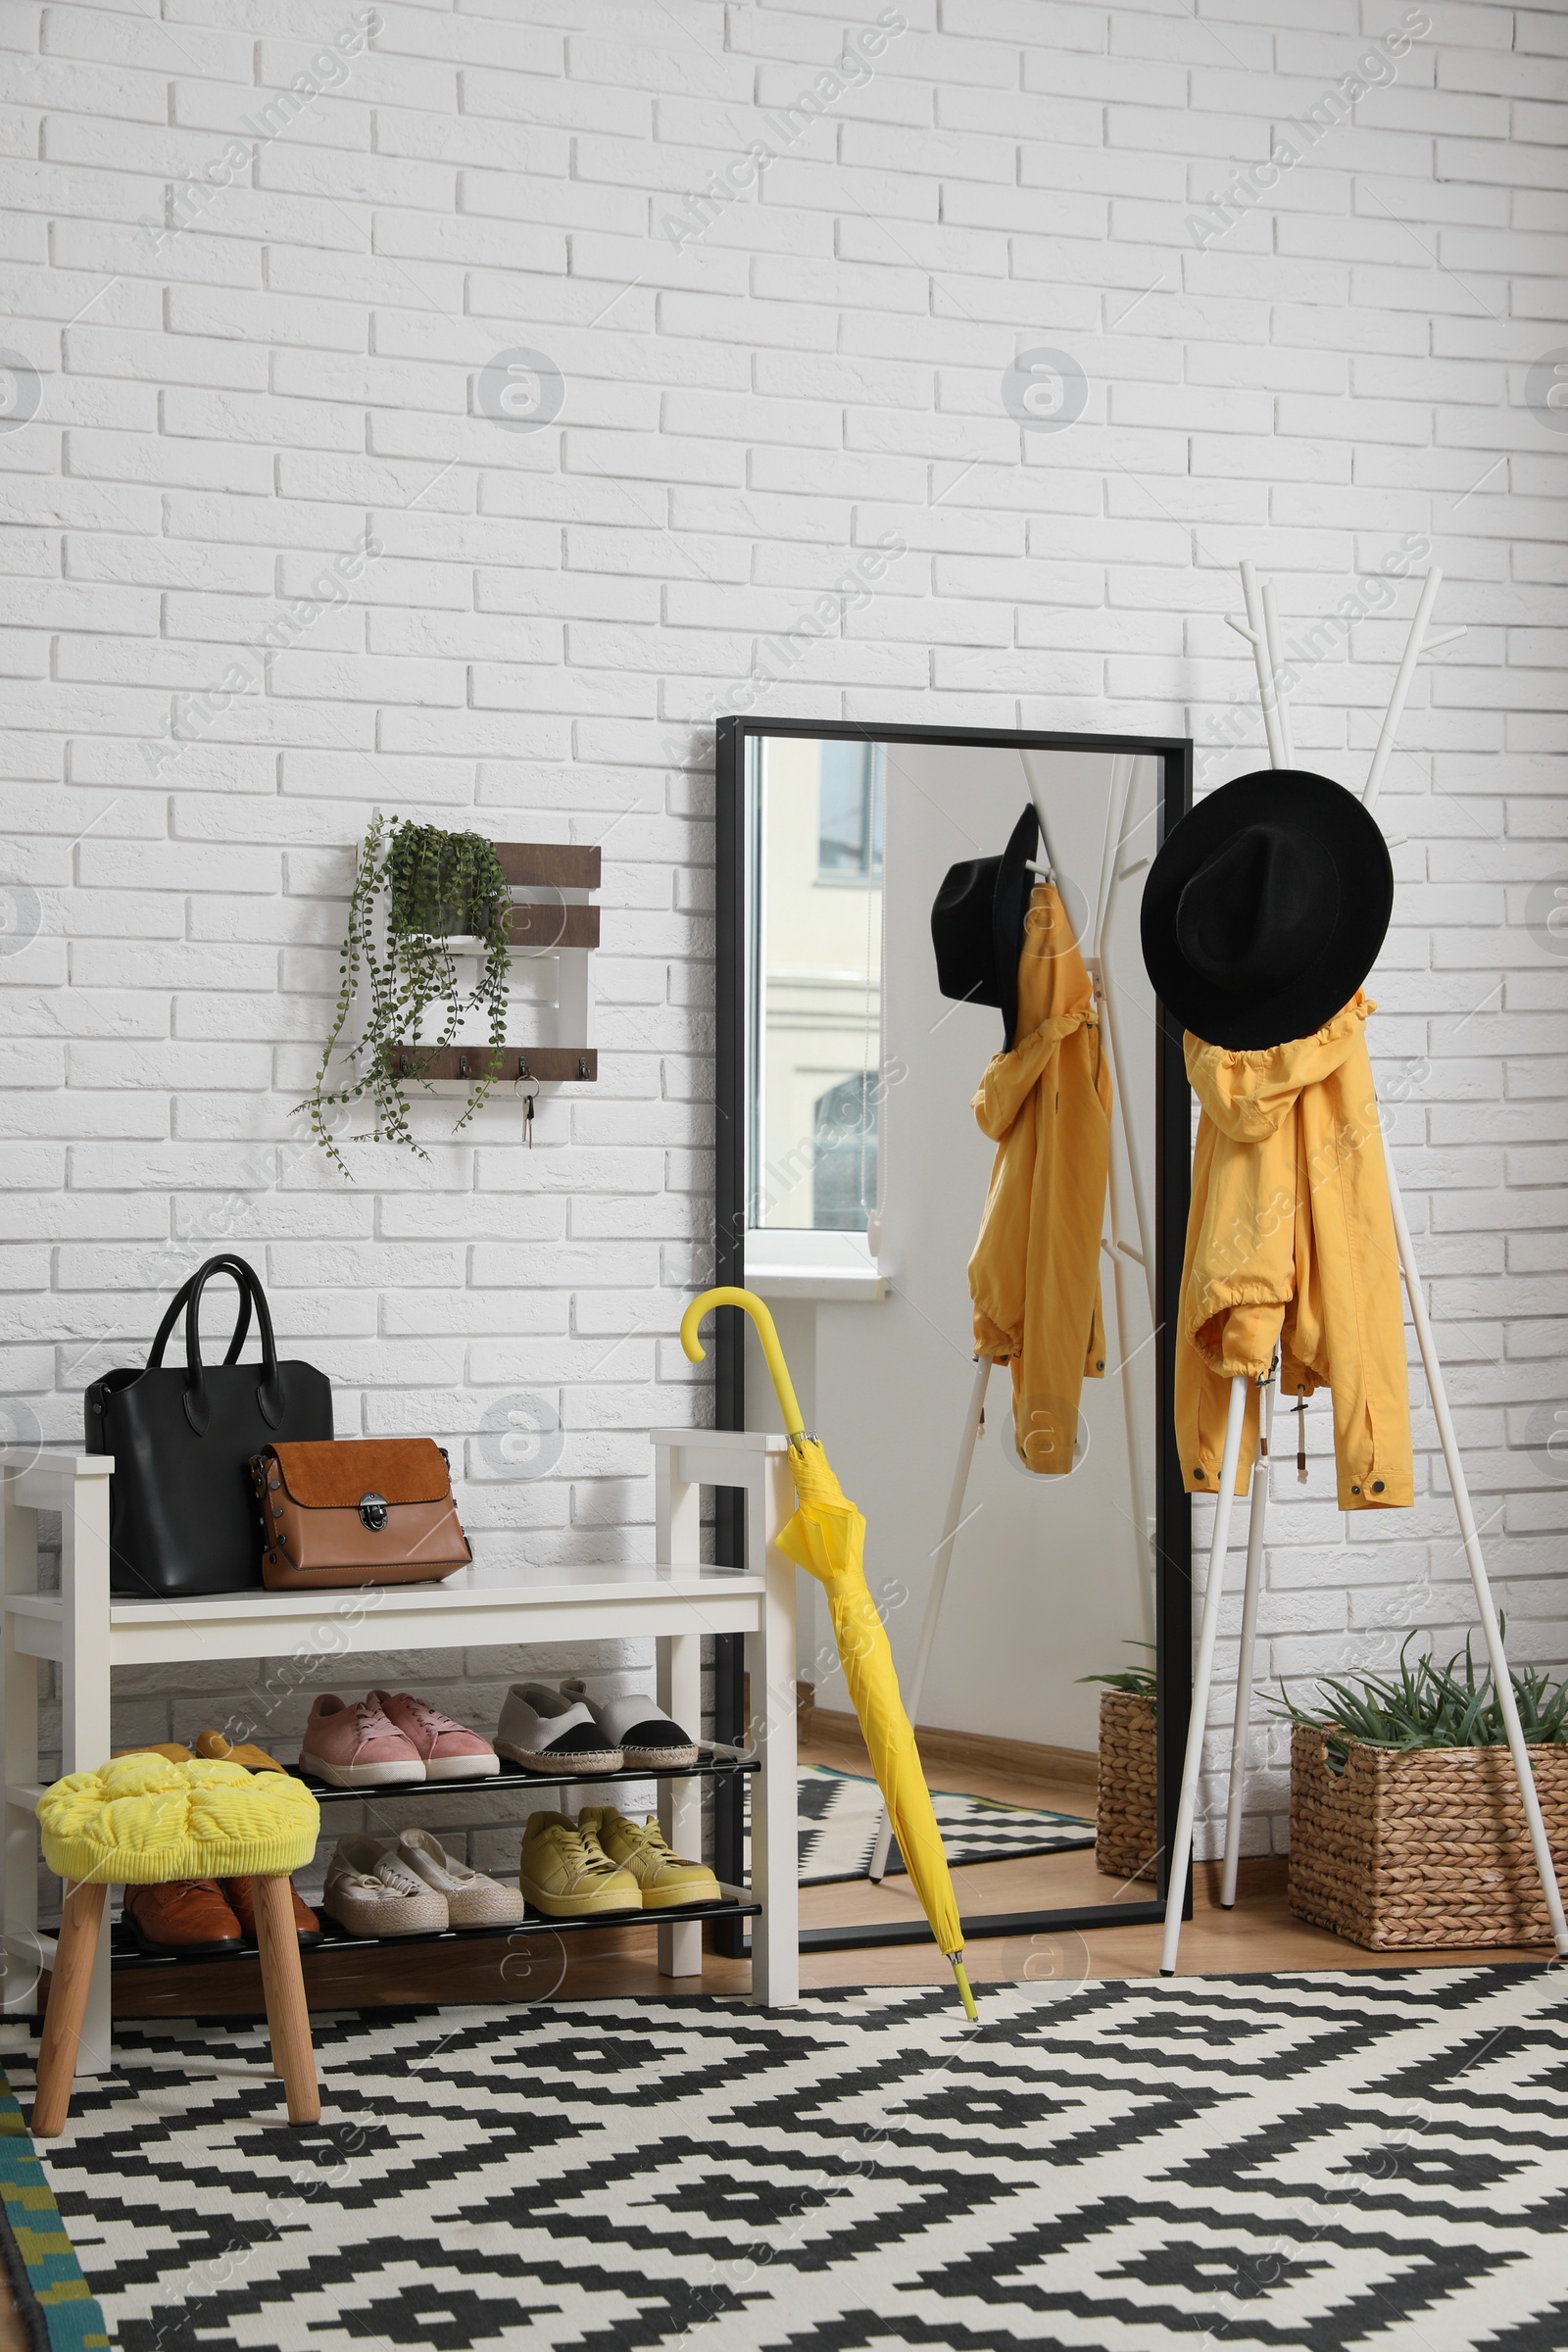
[283, 1984]
[273, 2037]
[67, 2006]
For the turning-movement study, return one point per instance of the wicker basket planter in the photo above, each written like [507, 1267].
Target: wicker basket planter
[1428, 1847]
[1126, 1817]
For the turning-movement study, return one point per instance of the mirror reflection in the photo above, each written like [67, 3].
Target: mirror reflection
[815, 985]
[913, 907]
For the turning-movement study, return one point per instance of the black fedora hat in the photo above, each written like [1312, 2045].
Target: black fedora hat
[977, 920]
[1266, 908]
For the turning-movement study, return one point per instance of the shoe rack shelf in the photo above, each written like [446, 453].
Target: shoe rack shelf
[738, 1903]
[90, 1633]
[127, 1952]
[554, 929]
[711, 1761]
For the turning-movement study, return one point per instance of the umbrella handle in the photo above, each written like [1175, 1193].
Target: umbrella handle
[727, 1296]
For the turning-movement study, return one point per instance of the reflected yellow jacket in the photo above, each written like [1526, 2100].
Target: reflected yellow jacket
[1290, 1242]
[1035, 1273]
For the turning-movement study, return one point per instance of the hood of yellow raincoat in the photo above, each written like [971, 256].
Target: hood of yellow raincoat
[1249, 1095]
[1291, 1246]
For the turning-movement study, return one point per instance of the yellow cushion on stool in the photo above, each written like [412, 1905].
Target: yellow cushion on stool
[140, 1819]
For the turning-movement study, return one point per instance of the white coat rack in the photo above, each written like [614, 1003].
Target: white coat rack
[1115, 868]
[1261, 630]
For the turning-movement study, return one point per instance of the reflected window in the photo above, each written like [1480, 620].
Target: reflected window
[843, 1176]
[849, 826]
[816, 946]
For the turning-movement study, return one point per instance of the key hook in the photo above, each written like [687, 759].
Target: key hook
[527, 1086]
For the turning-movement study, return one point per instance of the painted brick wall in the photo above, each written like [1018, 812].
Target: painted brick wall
[780, 265]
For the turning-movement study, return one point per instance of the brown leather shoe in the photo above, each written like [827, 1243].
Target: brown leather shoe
[188, 1916]
[242, 1902]
[214, 1748]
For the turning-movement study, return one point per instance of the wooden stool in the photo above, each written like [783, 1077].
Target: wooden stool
[282, 1986]
[141, 1819]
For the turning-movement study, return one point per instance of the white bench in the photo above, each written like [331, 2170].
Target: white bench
[90, 1632]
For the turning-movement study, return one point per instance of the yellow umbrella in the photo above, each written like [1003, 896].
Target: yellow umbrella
[827, 1538]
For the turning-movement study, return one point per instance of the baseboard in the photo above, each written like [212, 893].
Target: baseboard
[1027, 1758]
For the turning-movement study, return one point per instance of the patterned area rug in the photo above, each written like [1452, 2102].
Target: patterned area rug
[1342, 2163]
[839, 1813]
[53, 2302]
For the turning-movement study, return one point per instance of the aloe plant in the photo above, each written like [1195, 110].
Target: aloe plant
[1428, 1706]
[1142, 1682]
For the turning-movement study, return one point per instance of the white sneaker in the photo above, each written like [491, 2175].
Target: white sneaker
[645, 1735]
[472, 1899]
[371, 1891]
[544, 1732]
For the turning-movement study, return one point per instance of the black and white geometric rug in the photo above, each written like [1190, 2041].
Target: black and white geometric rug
[840, 1813]
[1351, 2162]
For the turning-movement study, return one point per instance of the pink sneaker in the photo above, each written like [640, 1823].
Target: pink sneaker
[449, 1751]
[354, 1746]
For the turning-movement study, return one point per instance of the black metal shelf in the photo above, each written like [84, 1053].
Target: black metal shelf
[714, 1762]
[737, 1904]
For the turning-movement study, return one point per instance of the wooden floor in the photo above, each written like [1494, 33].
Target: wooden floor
[1260, 1933]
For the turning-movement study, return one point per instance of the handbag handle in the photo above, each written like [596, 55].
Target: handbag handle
[269, 1396]
[224, 1264]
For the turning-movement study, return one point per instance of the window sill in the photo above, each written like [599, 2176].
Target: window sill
[842, 1285]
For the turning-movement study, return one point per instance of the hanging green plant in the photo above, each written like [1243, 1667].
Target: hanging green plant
[435, 886]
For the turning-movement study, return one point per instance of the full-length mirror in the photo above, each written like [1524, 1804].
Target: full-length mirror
[944, 1106]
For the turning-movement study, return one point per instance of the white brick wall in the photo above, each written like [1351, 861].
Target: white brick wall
[557, 615]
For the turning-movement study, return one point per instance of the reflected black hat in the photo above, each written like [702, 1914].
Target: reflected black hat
[977, 923]
[1266, 908]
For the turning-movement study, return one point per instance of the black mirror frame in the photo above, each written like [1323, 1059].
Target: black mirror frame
[1173, 1541]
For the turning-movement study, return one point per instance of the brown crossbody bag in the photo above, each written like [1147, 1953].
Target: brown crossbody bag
[357, 1511]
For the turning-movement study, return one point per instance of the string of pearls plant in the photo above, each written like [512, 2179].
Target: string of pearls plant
[433, 885]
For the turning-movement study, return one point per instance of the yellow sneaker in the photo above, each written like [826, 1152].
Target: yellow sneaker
[639, 1849]
[565, 1874]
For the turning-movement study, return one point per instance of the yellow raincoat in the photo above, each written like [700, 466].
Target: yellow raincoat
[1035, 1273]
[1290, 1241]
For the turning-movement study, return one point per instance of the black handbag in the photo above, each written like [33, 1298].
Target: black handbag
[183, 1519]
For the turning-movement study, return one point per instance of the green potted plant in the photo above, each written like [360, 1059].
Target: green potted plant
[416, 888]
[1126, 1799]
[1407, 1828]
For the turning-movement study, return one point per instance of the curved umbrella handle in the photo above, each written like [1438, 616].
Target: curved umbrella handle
[726, 1295]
